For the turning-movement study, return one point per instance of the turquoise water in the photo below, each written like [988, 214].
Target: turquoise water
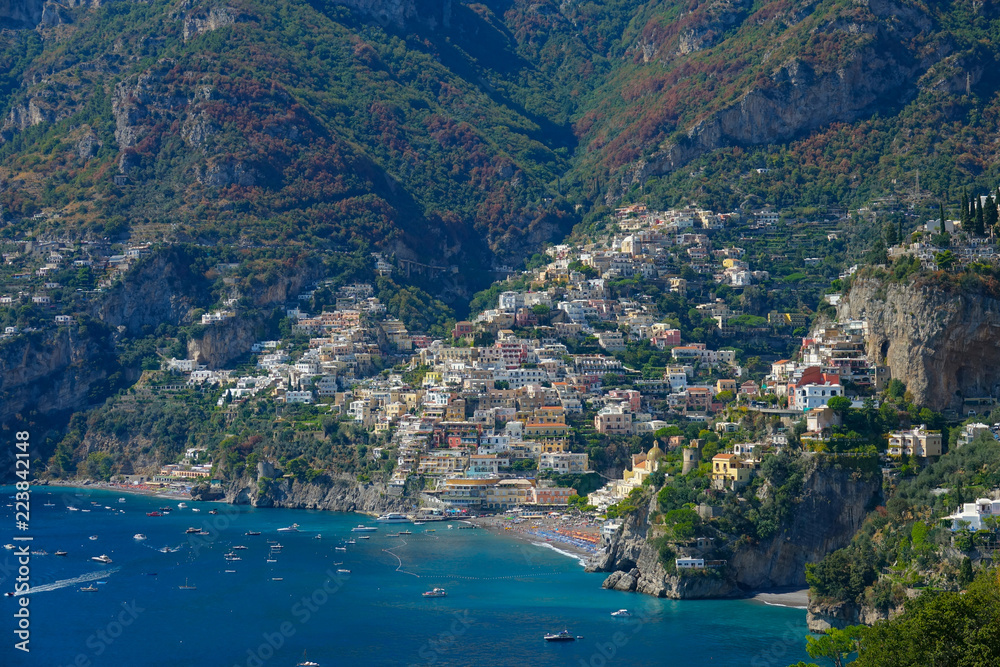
[502, 596]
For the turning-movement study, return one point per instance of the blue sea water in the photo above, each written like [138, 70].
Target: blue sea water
[503, 595]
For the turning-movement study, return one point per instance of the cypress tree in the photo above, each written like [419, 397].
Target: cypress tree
[963, 216]
[941, 212]
[980, 225]
[990, 214]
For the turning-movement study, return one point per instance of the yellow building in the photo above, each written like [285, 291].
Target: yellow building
[729, 471]
[726, 385]
[510, 493]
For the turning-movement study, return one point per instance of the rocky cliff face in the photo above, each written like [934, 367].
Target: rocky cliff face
[48, 373]
[831, 508]
[342, 494]
[224, 341]
[160, 289]
[825, 615]
[941, 343]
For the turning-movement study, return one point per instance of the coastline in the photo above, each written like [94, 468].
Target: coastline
[142, 490]
[793, 598]
[541, 533]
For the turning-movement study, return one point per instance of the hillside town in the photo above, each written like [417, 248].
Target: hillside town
[497, 415]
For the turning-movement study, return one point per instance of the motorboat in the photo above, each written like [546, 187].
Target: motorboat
[93, 537]
[621, 612]
[213, 511]
[195, 509]
[365, 537]
[40, 552]
[9, 546]
[276, 547]
[393, 517]
[89, 589]
[350, 542]
[121, 500]
[60, 553]
[405, 532]
[203, 532]
[564, 636]
[103, 558]
[192, 529]
[154, 513]
[238, 546]
[181, 506]
[435, 593]
[364, 529]
[138, 537]
[73, 509]
[342, 571]
[294, 528]
[252, 532]
[340, 548]
[231, 556]
[319, 536]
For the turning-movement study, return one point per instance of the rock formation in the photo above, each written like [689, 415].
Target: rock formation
[831, 507]
[940, 342]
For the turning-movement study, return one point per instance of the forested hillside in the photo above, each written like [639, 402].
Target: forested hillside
[465, 134]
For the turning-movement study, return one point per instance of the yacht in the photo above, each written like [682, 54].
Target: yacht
[294, 528]
[181, 506]
[405, 532]
[393, 517]
[138, 537]
[252, 532]
[435, 593]
[89, 589]
[93, 537]
[192, 530]
[365, 537]
[306, 662]
[121, 500]
[9, 546]
[621, 612]
[564, 636]
[238, 546]
[364, 529]
[60, 553]
[103, 558]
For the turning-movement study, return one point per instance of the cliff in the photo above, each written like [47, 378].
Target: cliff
[828, 511]
[341, 494]
[822, 616]
[940, 342]
[223, 341]
[50, 372]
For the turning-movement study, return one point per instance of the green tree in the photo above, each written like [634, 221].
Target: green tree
[836, 645]
[839, 404]
[945, 259]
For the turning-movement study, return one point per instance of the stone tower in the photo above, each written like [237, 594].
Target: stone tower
[692, 457]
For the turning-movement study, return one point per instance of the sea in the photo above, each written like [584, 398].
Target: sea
[322, 599]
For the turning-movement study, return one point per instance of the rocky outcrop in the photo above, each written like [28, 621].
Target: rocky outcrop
[822, 616]
[48, 373]
[20, 13]
[831, 507]
[206, 21]
[341, 494]
[224, 341]
[940, 342]
[160, 289]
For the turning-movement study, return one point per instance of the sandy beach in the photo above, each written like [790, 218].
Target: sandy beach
[798, 599]
[139, 490]
[576, 537]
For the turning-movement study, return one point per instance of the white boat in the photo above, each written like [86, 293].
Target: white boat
[435, 593]
[364, 529]
[195, 509]
[294, 528]
[271, 560]
[9, 546]
[238, 546]
[93, 537]
[621, 612]
[73, 509]
[121, 500]
[340, 548]
[365, 537]
[139, 537]
[181, 506]
[393, 517]
[103, 558]
[342, 571]
[350, 542]
[306, 662]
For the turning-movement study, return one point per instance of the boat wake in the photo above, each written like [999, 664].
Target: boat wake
[63, 583]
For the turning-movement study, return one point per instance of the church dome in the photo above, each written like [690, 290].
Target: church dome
[655, 453]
